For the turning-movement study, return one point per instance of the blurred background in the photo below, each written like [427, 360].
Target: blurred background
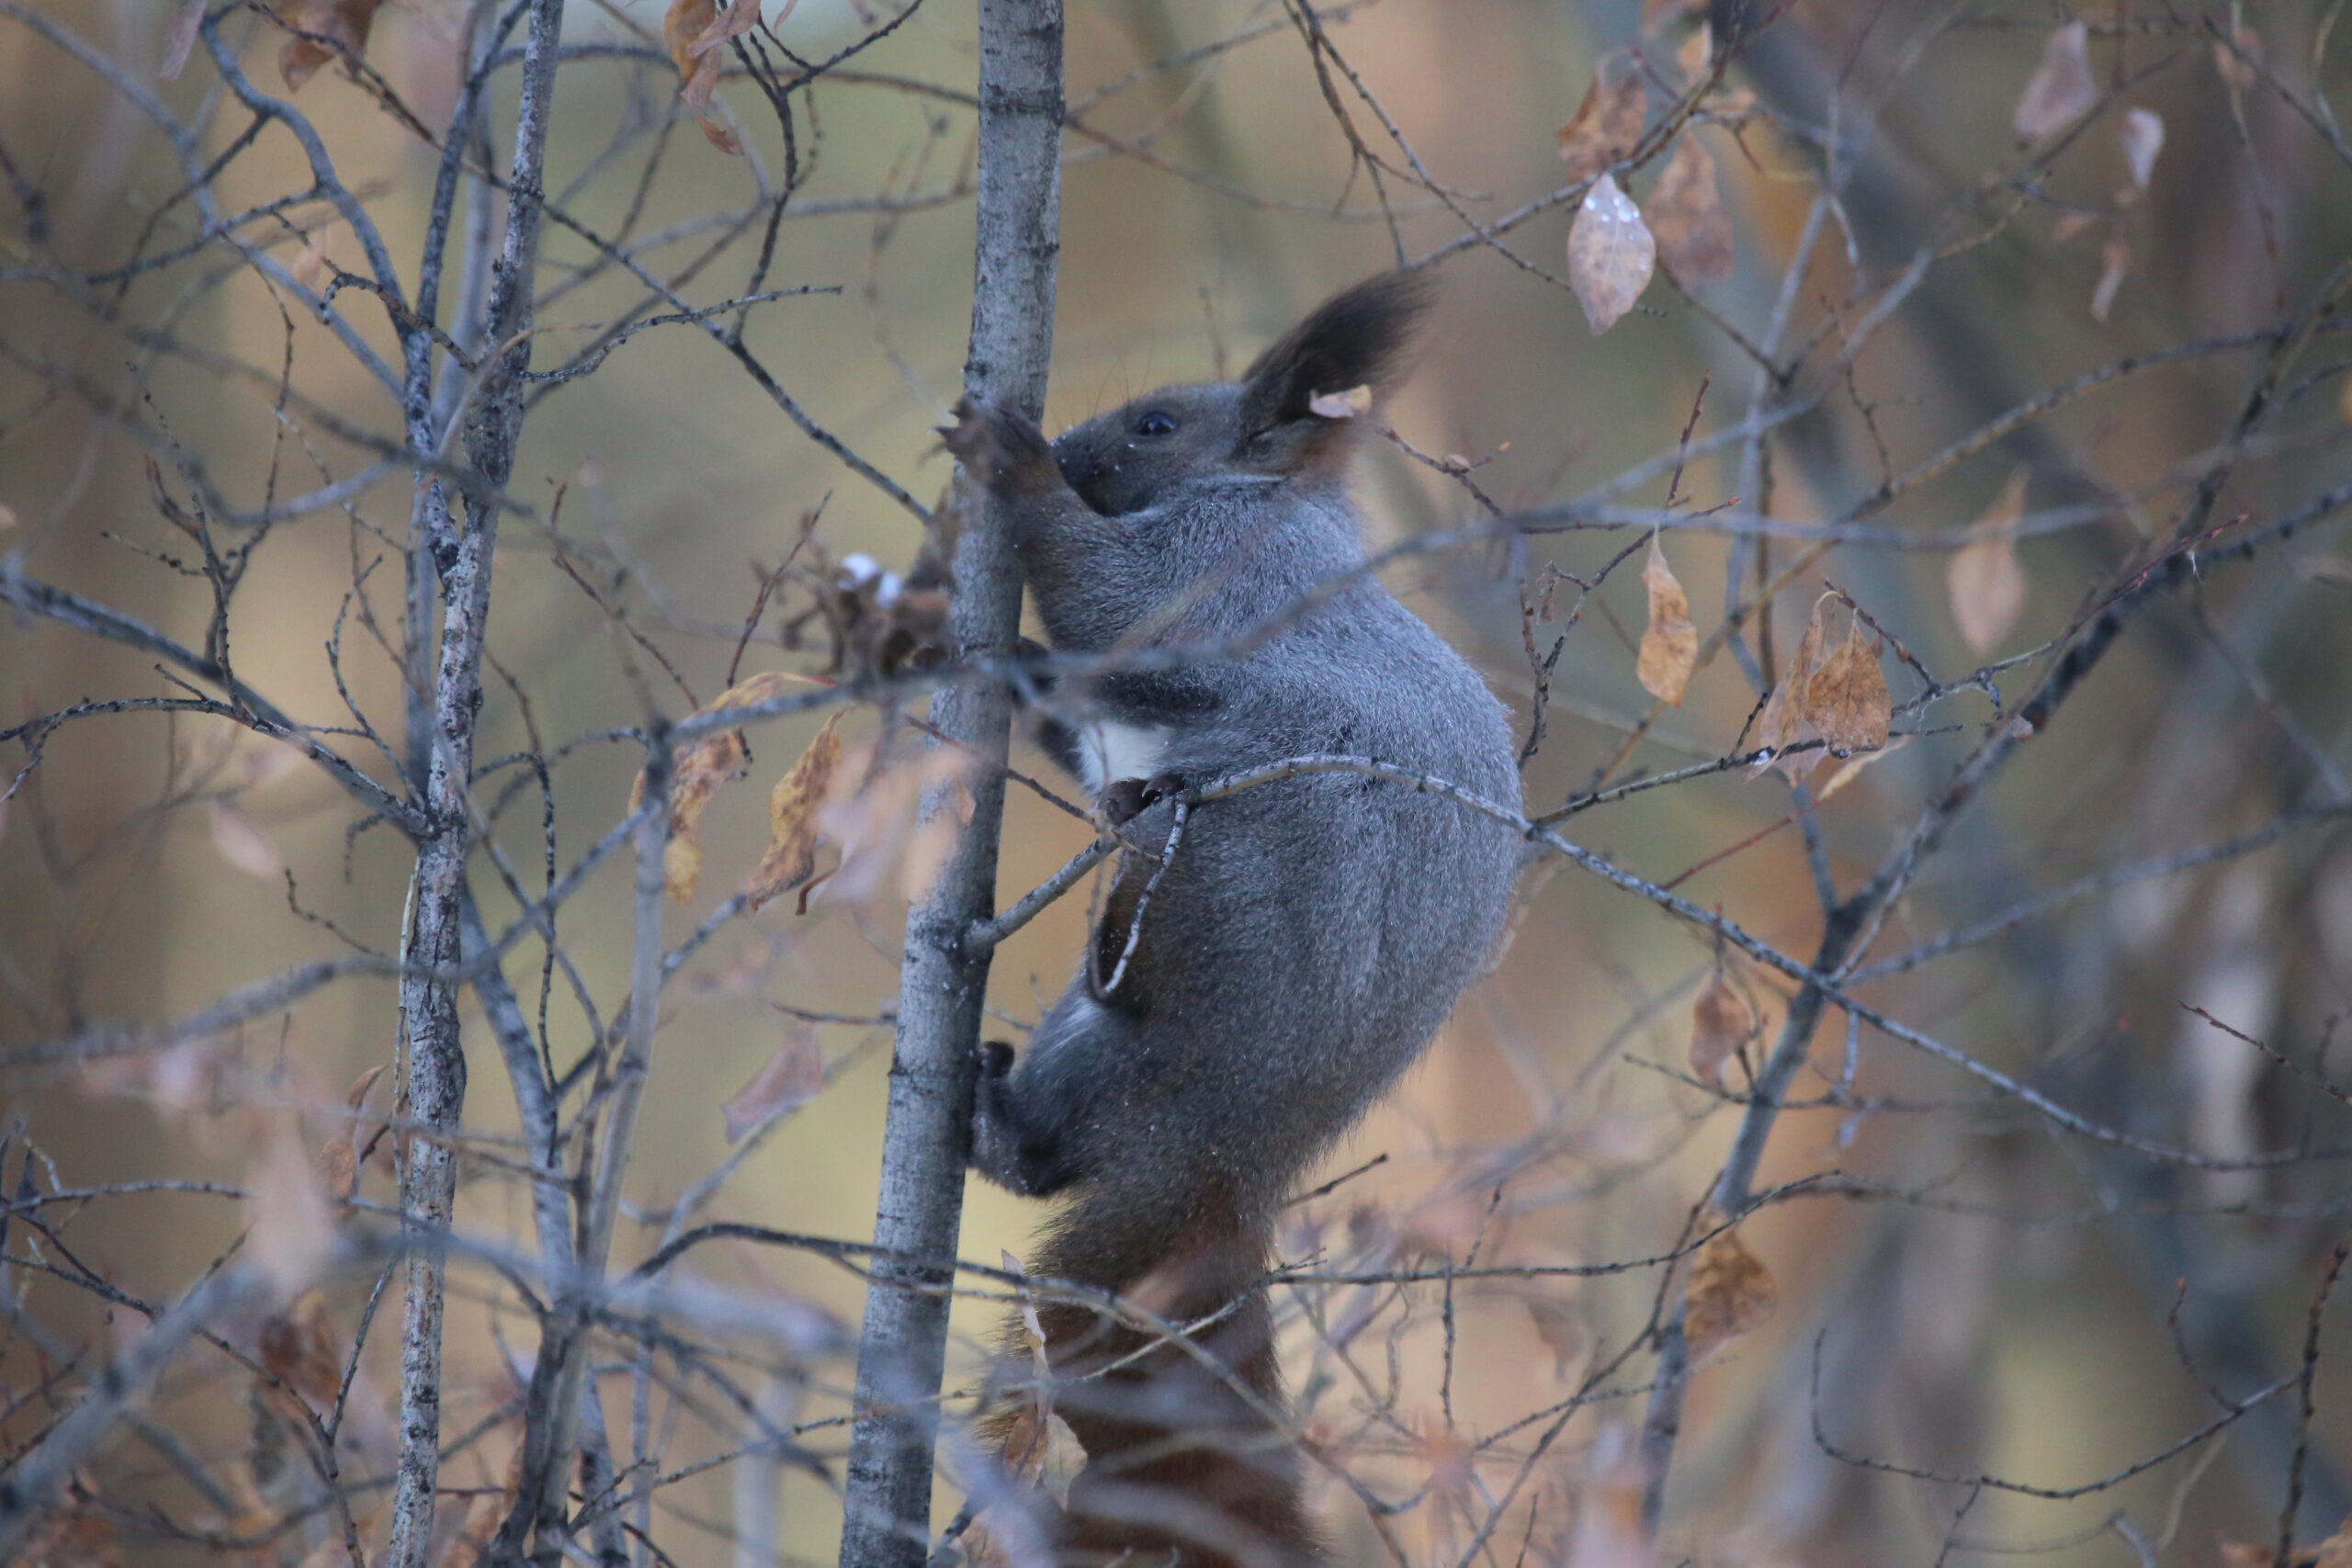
[1965, 1290]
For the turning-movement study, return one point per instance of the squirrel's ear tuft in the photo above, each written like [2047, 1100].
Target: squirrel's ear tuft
[1356, 338]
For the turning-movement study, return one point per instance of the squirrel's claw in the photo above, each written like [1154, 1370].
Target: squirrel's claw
[999, 446]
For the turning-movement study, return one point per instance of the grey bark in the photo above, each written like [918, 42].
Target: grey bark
[903, 1350]
[436, 1062]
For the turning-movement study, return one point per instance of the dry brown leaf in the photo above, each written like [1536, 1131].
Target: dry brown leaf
[240, 840]
[2061, 90]
[1721, 1023]
[1850, 705]
[1340, 405]
[1608, 122]
[2335, 1551]
[793, 804]
[1610, 255]
[1987, 583]
[1782, 721]
[2117, 258]
[1670, 650]
[788, 1080]
[1837, 698]
[298, 1348]
[1730, 1294]
[1697, 55]
[8, 512]
[696, 774]
[330, 23]
[2143, 137]
[1686, 215]
[179, 38]
[696, 33]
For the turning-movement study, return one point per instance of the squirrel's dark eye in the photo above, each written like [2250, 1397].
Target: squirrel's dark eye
[1156, 424]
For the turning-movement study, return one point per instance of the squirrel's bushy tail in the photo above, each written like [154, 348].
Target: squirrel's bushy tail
[1185, 1466]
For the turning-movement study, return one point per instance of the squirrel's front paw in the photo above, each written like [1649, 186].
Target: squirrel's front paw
[999, 444]
[996, 1058]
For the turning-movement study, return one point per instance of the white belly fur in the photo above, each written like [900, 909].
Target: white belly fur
[1109, 753]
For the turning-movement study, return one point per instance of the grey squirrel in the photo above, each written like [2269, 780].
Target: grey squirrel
[1297, 949]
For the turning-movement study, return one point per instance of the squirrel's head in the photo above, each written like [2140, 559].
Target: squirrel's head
[1265, 423]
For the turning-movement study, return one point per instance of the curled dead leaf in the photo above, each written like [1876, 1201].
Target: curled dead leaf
[1730, 1294]
[1670, 650]
[793, 805]
[1610, 255]
[786, 1081]
[695, 774]
[1987, 584]
[1609, 121]
[1686, 215]
[2061, 90]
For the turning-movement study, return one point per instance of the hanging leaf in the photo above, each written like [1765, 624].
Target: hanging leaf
[1602, 131]
[1611, 253]
[1721, 1023]
[1730, 1294]
[1850, 705]
[791, 857]
[788, 1080]
[1686, 215]
[1837, 697]
[2143, 138]
[1987, 584]
[330, 23]
[2061, 90]
[1670, 650]
[696, 33]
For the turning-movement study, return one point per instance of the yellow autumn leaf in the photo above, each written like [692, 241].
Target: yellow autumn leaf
[793, 805]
